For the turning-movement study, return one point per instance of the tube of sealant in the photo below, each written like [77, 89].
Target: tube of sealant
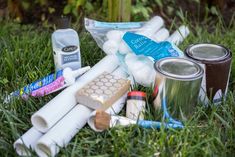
[49, 84]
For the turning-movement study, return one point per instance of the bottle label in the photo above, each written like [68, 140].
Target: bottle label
[142, 45]
[69, 48]
[67, 58]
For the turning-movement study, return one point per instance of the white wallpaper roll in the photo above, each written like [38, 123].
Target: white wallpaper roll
[27, 141]
[151, 27]
[55, 109]
[120, 72]
[161, 35]
[179, 35]
[61, 133]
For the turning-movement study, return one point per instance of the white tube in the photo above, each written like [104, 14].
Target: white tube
[55, 109]
[161, 35]
[179, 35]
[113, 110]
[60, 134]
[120, 72]
[27, 141]
[152, 26]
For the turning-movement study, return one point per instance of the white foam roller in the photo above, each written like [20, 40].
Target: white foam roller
[179, 35]
[61, 134]
[161, 35]
[27, 141]
[55, 109]
[110, 47]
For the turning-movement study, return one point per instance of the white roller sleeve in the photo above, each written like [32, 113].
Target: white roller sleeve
[61, 133]
[179, 35]
[151, 27]
[113, 110]
[161, 35]
[27, 141]
[54, 110]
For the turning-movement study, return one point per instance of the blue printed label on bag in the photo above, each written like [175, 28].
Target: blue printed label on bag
[142, 45]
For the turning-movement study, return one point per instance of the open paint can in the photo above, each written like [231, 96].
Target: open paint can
[177, 83]
[216, 61]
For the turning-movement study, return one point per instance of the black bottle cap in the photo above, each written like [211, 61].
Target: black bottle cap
[63, 23]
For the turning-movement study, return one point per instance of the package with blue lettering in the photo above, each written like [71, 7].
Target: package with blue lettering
[108, 35]
[142, 45]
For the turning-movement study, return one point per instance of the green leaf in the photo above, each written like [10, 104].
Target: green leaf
[67, 9]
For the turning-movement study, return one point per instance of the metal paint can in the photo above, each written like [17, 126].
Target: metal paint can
[216, 62]
[177, 82]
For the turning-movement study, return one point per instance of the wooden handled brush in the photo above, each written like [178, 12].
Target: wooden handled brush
[102, 120]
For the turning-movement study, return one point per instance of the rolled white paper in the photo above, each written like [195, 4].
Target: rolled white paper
[120, 72]
[55, 109]
[110, 47]
[152, 26]
[115, 35]
[161, 35]
[27, 141]
[113, 110]
[60, 134]
[141, 67]
[123, 48]
[179, 35]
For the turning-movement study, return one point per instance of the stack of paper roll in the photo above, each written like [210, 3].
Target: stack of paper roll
[55, 124]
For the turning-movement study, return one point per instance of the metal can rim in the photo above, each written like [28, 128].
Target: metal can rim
[195, 76]
[188, 52]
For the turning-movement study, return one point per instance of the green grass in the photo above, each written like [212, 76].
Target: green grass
[26, 55]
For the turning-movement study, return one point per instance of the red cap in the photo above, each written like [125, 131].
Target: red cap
[136, 93]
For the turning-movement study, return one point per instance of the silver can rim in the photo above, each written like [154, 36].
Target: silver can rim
[195, 76]
[189, 53]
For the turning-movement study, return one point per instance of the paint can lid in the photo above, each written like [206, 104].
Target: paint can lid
[207, 52]
[179, 68]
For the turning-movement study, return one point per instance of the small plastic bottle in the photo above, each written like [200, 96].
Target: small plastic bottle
[66, 46]
[136, 101]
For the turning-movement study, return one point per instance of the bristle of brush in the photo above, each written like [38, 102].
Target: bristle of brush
[102, 120]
